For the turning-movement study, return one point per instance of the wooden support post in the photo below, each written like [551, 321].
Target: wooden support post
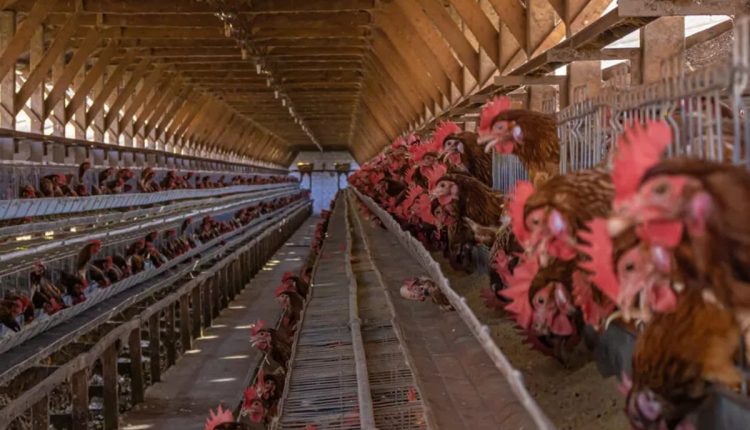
[137, 382]
[109, 374]
[57, 114]
[208, 302]
[37, 96]
[169, 342]
[185, 338]
[584, 76]
[196, 303]
[40, 414]
[661, 41]
[153, 347]
[8, 81]
[80, 399]
[222, 291]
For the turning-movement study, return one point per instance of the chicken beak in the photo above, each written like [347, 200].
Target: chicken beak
[488, 141]
[617, 224]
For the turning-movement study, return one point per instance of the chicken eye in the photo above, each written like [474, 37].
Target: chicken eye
[661, 189]
[499, 126]
[540, 300]
[629, 267]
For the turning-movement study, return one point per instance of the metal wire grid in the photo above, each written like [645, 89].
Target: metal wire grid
[390, 377]
[480, 331]
[322, 385]
[11, 339]
[707, 110]
[506, 171]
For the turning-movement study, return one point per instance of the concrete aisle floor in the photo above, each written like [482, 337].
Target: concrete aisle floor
[220, 366]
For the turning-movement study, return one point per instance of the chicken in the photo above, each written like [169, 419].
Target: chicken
[678, 358]
[108, 269]
[546, 220]
[631, 273]
[423, 158]
[28, 192]
[271, 342]
[147, 182]
[292, 303]
[460, 151]
[541, 302]
[532, 136]
[462, 196]
[44, 293]
[10, 310]
[298, 284]
[420, 288]
[50, 185]
[222, 419]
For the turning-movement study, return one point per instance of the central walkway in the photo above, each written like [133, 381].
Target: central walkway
[222, 363]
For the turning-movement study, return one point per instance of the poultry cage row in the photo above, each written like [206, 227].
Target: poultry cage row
[27, 208]
[94, 295]
[14, 176]
[706, 110]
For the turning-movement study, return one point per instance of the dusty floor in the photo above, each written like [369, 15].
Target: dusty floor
[574, 398]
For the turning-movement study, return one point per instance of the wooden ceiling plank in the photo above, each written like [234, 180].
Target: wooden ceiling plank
[474, 18]
[57, 94]
[182, 6]
[380, 73]
[405, 69]
[157, 104]
[443, 48]
[122, 97]
[136, 101]
[513, 15]
[420, 25]
[113, 81]
[20, 41]
[38, 75]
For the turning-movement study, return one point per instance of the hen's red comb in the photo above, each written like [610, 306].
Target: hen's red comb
[521, 194]
[638, 149]
[220, 417]
[492, 109]
[418, 151]
[519, 286]
[599, 251]
[434, 173]
[443, 130]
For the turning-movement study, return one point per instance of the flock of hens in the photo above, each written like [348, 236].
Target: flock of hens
[260, 400]
[660, 246]
[52, 292]
[122, 180]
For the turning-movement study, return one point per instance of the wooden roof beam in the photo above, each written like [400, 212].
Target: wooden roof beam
[183, 7]
[20, 41]
[474, 18]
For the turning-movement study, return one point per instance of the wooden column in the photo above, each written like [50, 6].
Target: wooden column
[153, 347]
[208, 302]
[185, 338]
[40, 415]
[79, 115]
[661, 41]
[109, 374]
[197, 311]
[58, 113]
[584, 76]
[37, 97]
[137, 381]
[80, 400]
[8, 82]
[169, 342]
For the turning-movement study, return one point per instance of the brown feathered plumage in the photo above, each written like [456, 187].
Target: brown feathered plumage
[540, 150]
[478, 163]
[476, 200]
[723, 253]
[579, 196]
[678, 357]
